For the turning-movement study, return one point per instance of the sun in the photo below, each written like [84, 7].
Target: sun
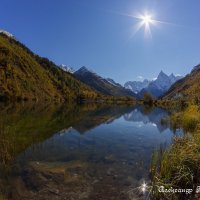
[146, 19]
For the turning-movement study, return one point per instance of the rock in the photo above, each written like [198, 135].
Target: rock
[54, 191]
[110, 172]
[115, 176]
[95, 181]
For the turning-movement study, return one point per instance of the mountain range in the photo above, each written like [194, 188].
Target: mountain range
[27, 76]
[137, 86]
[102, 85]
[156, 87]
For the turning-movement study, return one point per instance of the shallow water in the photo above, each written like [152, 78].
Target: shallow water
[85, 152]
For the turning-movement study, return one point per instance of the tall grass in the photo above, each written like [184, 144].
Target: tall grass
[2, 198]
[179, 166]
[6, 146]
[187, 119]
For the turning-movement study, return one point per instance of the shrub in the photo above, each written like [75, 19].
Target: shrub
[148, 99]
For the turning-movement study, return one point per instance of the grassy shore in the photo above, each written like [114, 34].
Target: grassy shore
[179, 166]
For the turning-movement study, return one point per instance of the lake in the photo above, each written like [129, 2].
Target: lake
[86, 152]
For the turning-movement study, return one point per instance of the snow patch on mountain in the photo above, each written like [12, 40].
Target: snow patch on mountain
[67, 68]
[111, 81]
[136, 86]
[6, 33]
[159, 86]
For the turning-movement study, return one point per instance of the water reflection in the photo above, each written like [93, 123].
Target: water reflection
[141, 117]
[78, 152]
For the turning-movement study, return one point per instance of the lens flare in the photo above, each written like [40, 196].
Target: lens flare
[143, 187]
[147, 19]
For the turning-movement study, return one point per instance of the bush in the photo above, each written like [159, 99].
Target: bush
[148, 99]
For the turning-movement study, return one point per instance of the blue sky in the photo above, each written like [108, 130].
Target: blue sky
[97, 34]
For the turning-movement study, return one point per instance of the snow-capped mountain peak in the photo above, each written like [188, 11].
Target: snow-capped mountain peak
[136, 86]
[67, 68]
[156, 87]
[6, 33]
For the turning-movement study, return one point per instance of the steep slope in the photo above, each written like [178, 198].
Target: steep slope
[187, 87]
[159, 86]
[100, 84]
[24, 75]
[113, 82]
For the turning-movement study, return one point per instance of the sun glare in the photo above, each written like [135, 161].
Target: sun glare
[146, 19]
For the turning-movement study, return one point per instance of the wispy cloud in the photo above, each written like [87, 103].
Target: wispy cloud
[140, 77]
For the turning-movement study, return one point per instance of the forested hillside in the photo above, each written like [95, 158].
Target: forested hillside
[26, 76]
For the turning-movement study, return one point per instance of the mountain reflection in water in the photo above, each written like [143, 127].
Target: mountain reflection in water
[154, 116]
[78, 152]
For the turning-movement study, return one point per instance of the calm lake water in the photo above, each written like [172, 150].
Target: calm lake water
[87, 152]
